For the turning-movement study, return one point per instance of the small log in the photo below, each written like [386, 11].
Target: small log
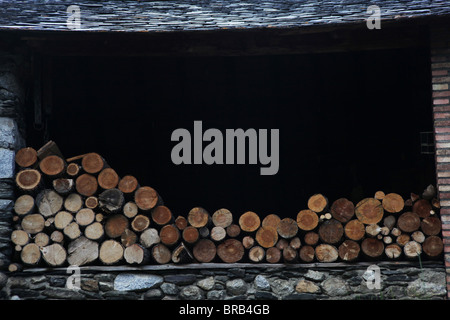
[86, 185]
[149, 237]
[73, 169]
[128, 184]
[393, 251]
[136, 254]
[290, 254]
[63, 185]
[295, 243]
[369, 211]
[379, 195]
[354, 230]
[204, 232]
[373, 230]
[393, 203]
[92, 163]
[307, 220]
[256, 254]
[431, 226]
[414, 197]
[249, 221]
[403, 239]
[433, 246]
[349, 250]
[233, 230]
[317, 203]
[52, 166]
[169, 235]
[33, 223]
[85, 217]
[110, 252]
[307, 253]
[24, 205]
[218, 233]
[435, 203]
[82, 251]
[57, 236]
[161, 254]
[20, 237]
[99, 217]
[116, 225]
[73, 202]
[190, 234]
[248, 242]
[181, 222]
[50, 148]
[387, 239]
[94, 231]
[181, 254]
[28, 179]
[271, 220]
[273, 255]
[15, 267]
[326, 253]
[429, 192]
[282, 243]
[311, 238]
[331, 231]
[140, 223]
[422, 208]
[108, 179]
[26, 157]
[42, 239]
[287, 228]
[49, 202]
[267, 236]
[128, 237]
[130, 209]
[412, 249]
[372, 247]
[55, 255]
[72, 230]
[230, 251]
[204, 250]
[91, 202]
[222, 218]
[408, 222]
[389, 222]
[418, 236]
[342, 210]
[111, 200]
[30, 254]
[396, 232]
[161, 215]
[146, 198]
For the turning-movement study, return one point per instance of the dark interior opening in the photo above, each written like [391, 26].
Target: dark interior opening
[349, 123]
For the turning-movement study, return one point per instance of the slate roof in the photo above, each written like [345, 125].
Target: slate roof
[137, 16]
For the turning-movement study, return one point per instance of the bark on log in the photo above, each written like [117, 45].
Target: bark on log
[266, 236]
[92, 163]
[128, 184]
[94, 231]
[169, 235]
[73, 202]
[412, 249]
[146, 198]
[422, 208]
[222, 218]
[233, 230]
[393, 251]
[73, 169]
[431, 226]
[111, 200]
[48, 149]
[30, 254]
[307, 220]
[136, 254]
[349, 250]
[342, 210]
[354, 230]
[161, 215]
[33, 223]
[393, 203]
[63, 185]
[317, 203]
[307, 253]
[249, 221]
[271, 220]
[433, 246]
[110, 252]
[91, 202]
[49, 202]
[182, 254]
[85, 217]
[326, 253]
[82, 251]
[115, 225]
[372, 247]
[408, 222]
[28, 179]
[55, 254]
[379, 195]
[218, 233]
[311, 238]
[190, 234]
[230, 251]
[140, 223]
[331, 231]
[181, 223]
[128, 237]
[273, 255]
[86, 185]
[369, 211]
[26, 157]
[24, 205]
[287, 228]
[52, 166]
[108, 179]
[149, 237]
[205, 250]
[256, 254]
[130, 209]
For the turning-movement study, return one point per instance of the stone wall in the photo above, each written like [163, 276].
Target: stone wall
[239, 281]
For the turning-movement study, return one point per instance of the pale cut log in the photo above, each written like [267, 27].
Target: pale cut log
[115, 225]
[49, 202]
[412, 249]
[73, 202]
[72, 231]
[190, 234]
[85, 217]
[249, 221]
[372, 247]
[28, 179]
[256, 254]
[33, 223]
[91, 202]
[431, 226]
[317, 203]
[408, 222]
[349, 250]
[331, 231]
[92, 163]
[94, 231]
[204, 251]
[63, 185]
[369, 211]
[230, 251]
[396, 232]
[287, 228]
[282, 243]
[30, 254]
[49, 222]
[273, 255]
[42, 239]
[57, 236]
[182, 254]
[342, 210]
[307, 253]
[198, 217]
[52, 166]
[110, 252]
[433, 246]
[266, 236]
[140, 223]
[136, 254]
[307, 220]
[50, 148]
[403, 239]
[169, 235]
[387, 240]
[354, 230]
[326, 253]
[418, 236]
[422, 208]
[130, 209]
[99, 217]
[24, 205]
[271, 220]
[222, 218]
[248, 242]
[146, 198]
[149, 237]
[379, 195]
[393, 251]
[393, 203]
[73, 170]
[108, 179]
[15, 267]
[111, 200]
[384, 231]
[128, 237]
[389, 222]
[54, 255]
[373, 230]
[128, 184]
[26, 157]
[161, 215]
[161, 254]
[218, 233]
[20, 237]
[86, 185]
[181, 223]
[290, 254]
[295, 243]
[311, 238]
[82, 251]
[233, 230]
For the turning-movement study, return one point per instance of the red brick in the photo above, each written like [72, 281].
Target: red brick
[442, 144]
[442, 123]
[441, 129]
[440, 79]
[439, 73]
[440, 65]
[446, 233]
[442, 137]
[438, 58]
[438, 94]
[441, 101]
[445, 167]
[444, 195]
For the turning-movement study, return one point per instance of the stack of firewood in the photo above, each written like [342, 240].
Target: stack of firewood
[78, 211]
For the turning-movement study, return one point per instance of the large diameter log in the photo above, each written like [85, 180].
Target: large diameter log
[85, 217]
[266, 236]
[256, 254]
[73, 202]
[271, 220]
[369, 211]
[146, 198]
[331, 231]
[28, 179]
[128, 184]
[63, 185]
[140, 223]
[273, 255]
[49, 202]
[422, 208]
[307, 220]
[111, 200]
[26, 157]
[92, 163]
[30, 254]
[108, 179]
[55, 255]
[307, 253]
[110, 252]
[433, 246]
[182, 254]
[412, 249]
[149, 237]
[169, 235]
[136, 254]
[62, 219]
[431, 226]
[161, 215]
[326, 253]
[393, 203]
[190, 234]
[161, 254]
[354, 230]
[230, 251]
[287, 228]
[52, 166]
[349, 250]
[82, 251]
[33, 223]
[372, 247]
[24, 205]
[249, 221]
[94, 231]
[115, 225]
[317, 203]
[342, 210]
[393, 251]
[204, 250]
[408, 222]
[86, 185]
[222, 218]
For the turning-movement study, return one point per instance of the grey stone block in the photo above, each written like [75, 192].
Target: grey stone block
[134, 282]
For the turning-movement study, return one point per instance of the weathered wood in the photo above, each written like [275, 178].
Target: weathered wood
[218, 233]
[52, 166]
[349, 250]
[149, 237]
[271, 220]
[15, 267]
[57, 236]
[204, 250]
[230, 251]
[412, 249]
[233, 230]
[72, 230]
[373, 230]
[169, 234]
[49, 202]
[433, 246]
[33, 223]
[130, 209]
[326, 253]
[311, 238]
[418, 236]
[248, 242]
[182, 254]
[222, 218]
[92, 163]
[128, 184]
[20, 237]
[290, 254]
[161, 254]
[287, 228]
[110, 252]
[24, 205]
[295, 243]
[282, 243]
[108, 178]
[63, 185]
[111, 200]
[393, 251]
[28, 179]
[267, 236]
[317, 203]
[161, 215]
[190, 234]
[422, 208]
[408, 222]
[42, 239]
[354, 230]
[30, 254]
[94, 231]
[146, 198]
[431, 226]
[273, 255]
[128, 237]
[389, 222]
[342, 210]
[54, 254]
[204, 232]
[86, 185]
[85, 217]
[115, 225]
[73, 202]
[393, 203]
[369, 211]
[307, 220]
[136, 254]
[26, 157]
[91, 202]
[82, 251]
[140, 223]
[372, 247]
[307, 253]
[256, 254]
[50, 148]
[403, 239]
[249, 221]
[331, 231]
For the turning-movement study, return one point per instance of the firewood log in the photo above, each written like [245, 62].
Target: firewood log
[403, 239]
[82, 251]
[28, 180]
[161, 254]
[42, 239]
[169, 235]
[393, 203]
[110, 252]
[389, 222]
[331, 231]
[418, 236]
[311, 238]
[111, 200]
[94, 231]
[73, 169]
[26, 157]
[230, 251]
[204, 250]
[128, 237]
[136, 254]
[30, 254]
[273, 255]
[20, 237]
[140, 223]
[86, 185]
[91, 202]
[128, 184]
[372, 247]
[373, 230]
[85, 217]
[249, 221]
[55, 254]
[267, 236]
[15, 267]
[354, 230]
[393, 251]
[149, 237]
[433, 246]
[248, 242]
[92, 163]
[182, 254]
[33, 223]
[63, 185]
[190, 234]
[130, 209]
[146, 198]
[287, 228]
[326, 253]
[282, 243]
[222, 218]
[233, 230]
[204, 232]
[412, 249]
[342, 210]
[115, 225]
[369, 211]
[422, 208]
[24, 205]
[73, 202]
[52, 166]
[295, 243]
[108, 179]
[49, 202]
[307, 220]
[218, 233]
[72, 230]
[271, 220]
[431, 226]
[349, 250]
[161, 215]
[48, 149]
[290, 255]
[256, 254]
[317, 203]
[181, 223]
[408, 222]
[379, 195]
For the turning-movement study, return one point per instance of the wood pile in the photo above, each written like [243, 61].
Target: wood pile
[79, 211]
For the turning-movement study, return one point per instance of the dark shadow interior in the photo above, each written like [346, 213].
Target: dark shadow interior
[349, 123]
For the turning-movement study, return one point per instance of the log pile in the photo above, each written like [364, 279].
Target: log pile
[79, 211]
